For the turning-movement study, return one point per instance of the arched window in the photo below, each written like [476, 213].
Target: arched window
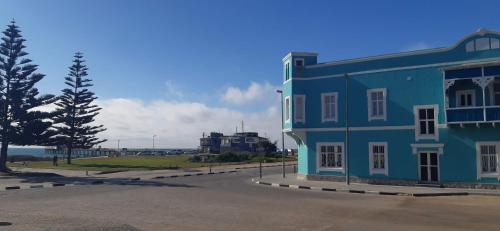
[482, 44]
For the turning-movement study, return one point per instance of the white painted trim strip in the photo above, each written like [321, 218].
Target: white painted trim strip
[339, 129]
[397, 69]
[481, 32]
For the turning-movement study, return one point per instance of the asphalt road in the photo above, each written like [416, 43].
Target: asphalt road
[233, 202]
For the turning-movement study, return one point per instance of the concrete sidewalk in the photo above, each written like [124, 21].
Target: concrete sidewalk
[291, 181]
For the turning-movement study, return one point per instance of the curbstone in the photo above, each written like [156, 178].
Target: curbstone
[36, 186]
[356, 191]
[12, 187]
[372, 192]
[97, 182]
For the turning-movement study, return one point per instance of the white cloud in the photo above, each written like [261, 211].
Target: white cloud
[255, 93]
[417, 46]
[178, 124]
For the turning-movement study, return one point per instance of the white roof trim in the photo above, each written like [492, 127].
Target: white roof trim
[298, 54]
[480, 32]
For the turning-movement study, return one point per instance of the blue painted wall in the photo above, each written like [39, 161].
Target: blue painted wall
[407, 84]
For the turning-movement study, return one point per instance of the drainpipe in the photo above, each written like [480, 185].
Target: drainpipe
[346, 148]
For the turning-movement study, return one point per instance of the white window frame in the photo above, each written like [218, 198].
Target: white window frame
[318, 157]
[250, 140]
[287, 108]
[370, 106]
[335, 118]
[419, 136]
[385, 170]
[236, 140]
[287, 72]
[299, 59]
[303, 109]
[479, 163]
[458, 93]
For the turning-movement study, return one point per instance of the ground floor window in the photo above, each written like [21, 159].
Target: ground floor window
[378, 157]
[487, 159]
[330, 156]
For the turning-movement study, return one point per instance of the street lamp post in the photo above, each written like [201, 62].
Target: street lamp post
[346, 149]
[154, 143]
[282, 133]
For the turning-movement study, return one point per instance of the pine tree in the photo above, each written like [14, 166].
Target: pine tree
[76, 111]
[20, 121]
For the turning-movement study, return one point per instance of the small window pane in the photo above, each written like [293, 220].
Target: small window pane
[492, 149]
[423, 128]
[484, 163]
[421, 113]
[431, 127]
[495, 43]
[382, 161]
[299, 63]
[469, 47]
[434, 174]
[434, 159]
[339, 160]
[423, 158]
[430, 113]
[482, 44]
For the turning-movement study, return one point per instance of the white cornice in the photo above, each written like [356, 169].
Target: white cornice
[299, 54]
[480, 32]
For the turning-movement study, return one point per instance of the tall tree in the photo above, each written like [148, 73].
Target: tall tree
[76, 111]
[21, 122]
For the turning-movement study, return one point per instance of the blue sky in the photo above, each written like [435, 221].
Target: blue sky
[210, 56]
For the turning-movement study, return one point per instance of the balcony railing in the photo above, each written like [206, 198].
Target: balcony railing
[473, 114]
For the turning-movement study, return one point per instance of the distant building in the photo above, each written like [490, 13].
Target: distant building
[238, 142]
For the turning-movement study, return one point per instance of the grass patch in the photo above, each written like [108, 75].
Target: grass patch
[127, 163]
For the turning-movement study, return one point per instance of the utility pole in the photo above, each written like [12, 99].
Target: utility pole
[154, 143]
[282, 133]
[346, 148]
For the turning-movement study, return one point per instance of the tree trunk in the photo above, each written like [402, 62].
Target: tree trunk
[3, 154]
[68, 151]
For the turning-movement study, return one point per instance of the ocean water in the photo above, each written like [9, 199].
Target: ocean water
[32, 151]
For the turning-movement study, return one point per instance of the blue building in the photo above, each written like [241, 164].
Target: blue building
[428, 116]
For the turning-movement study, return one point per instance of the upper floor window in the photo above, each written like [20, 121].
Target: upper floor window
[377, 104]
[287, 109]
[299, 108]
[329, 107]
[466, 98]
[287, 71]
[481, 44]
[299, 62]
[426, 122]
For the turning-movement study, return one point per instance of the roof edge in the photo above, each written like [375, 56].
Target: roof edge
[480, 32]
[298, 54]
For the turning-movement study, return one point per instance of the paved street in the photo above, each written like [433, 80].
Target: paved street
[233, 202]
